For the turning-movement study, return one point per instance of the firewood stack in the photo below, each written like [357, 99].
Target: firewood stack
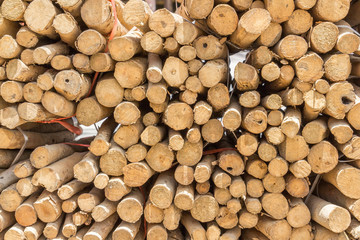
[187, 150]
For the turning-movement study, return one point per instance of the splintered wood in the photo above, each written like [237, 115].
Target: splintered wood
[190, 147]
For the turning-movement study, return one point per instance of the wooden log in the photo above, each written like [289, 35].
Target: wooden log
[13, 139]
[130, 41]
[8, 27]
[299, 22]
[102, 62]
[70, 205]
[136, 174]
[300, 169]
[104, 210]
[126, 230]
[90, 111]
[190, 154]
[294, 149]
[9, 47]
[223, 19]
[134, 201]
[82, 63]
[130, 73]
[202, 112]
[90, 42]
[52, 229]
[15, 232]
[28, 39]
[237, 187]
[340, 177]
[100, 230]
[87, 201]
[339, 60]
[274, 135]
[291, 123]
[249, 99]
[184, 175]
[207, 202]
[62, 62]
[246, 33]
[12, 91]
[209, 48]
[203, 188]
[273, 184]
[25, 187]
[6, 220]
[156, 231]
[226, 219]
[321, 11]
[299, 214]
[101, 180]
[287, 74]
[67, 27]
[48, 207]
[68, 227]
[317, 38]
[213, 72]
[320, 162]
[286, 49]
[137, 13]
[24, 169]
[45, 155]
[25, 213]
[193, 227]
[296, 187]
[136, 153]
[231, 234]
[213, 231]
[45, 81]
[253, 205]
[222, 195]
[270, 72]
[151, 42]
[10, 118]
[203, 170]
[153, 214]
[113, 162]
[32, 92]
[35, 231]
[275, 204]
[340, 129]
[335, 218]
[101, 143]
[252, 233]
[184, 197]
[172, 216]
[314, 69]
[71, 84]
[234, 205]
[172, 46]
[256, 168]
[73, 7]
[199, 9]
[247, 220]
[347, 41]
[349, 149]
[69, 189]
[247, 144]
[274, 229]
[260, 57]
[108, 92]
[44, 54]
[302, 233]
[248, 81]
[187, 53]
[86, 169]
[278, 167]
[27, 56]
[231, 162]
[271, 35]
[57, 104]
[56, 174]
[81, 218]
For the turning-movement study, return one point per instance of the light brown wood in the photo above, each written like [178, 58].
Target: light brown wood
[193, 227]
[273, 184]
[25, 187]
[35, 231]
[323, 11]
[296, 187]
[300, 169]
[126, 230]
[52, 229]
[100, 230]
[87, 201]
[9, 47]
[184, 197]
[15, 232]
[274, 229]
[48, 207]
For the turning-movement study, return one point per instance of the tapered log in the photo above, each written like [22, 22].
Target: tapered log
[203, 188]
[171, 45]
[89, 111]
[35, 231]
[69, 189]
[87, 201]
[101, 143]
[90, 42]
[332, 63]
[246, 33]
[45, 81]
[323, 157]
[27, 56]
[278, 167]
[131, 73]
[113, 161]
[203, 170]
[247, 144]
[223, 19]
[226, 219]
[193, 227]
[271, 35]
[67, 27]
[45, 155]
[52, 229]
[61, 62]
[299, 22]
[126, 231]
[44, 54]
[256, 168]
[202, 112]
[57, 104]
[32, 93]
[253, 205]
[24, 169]
[213, 231]
[130, 208]
[299, 214]
[58, 173]
[136, 174]
[350, 149]
[136, 153]
[274, 135]
[213, 72]
[249, 99]
[294, 149]
[103, 210]
[137, 13]
[156, 231]
[334, 218]
[70, 205]
[100, 230]
[184, 197]
[291, 47]
[275, 204]
[86, 169]
[13, 139]
[234, 205]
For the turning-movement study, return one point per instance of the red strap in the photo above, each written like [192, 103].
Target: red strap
[212, 151]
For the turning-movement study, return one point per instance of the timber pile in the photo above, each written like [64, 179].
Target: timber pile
[186, 151]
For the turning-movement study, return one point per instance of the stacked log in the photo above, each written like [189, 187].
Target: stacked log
[187, 148]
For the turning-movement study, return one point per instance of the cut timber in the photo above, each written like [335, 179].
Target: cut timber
[126, 231]
[163, 191]
[205, 209]
[113, 161]
[137, 13]
[45, 81]
[343, 177]
[131, 73]
[58, 105]
[193, 227]
[104, 210]
[17, 70]
[123, 48]
[12, 91]
[98, 15]
[90, 42]
[296, 187]
[300, 169]
[44, 54]
[323, 157]
[45, 155]
[136, 174]
[330, 216]
[156, 232]
[274, 229]
[136, 153]
[101, 180]
[294, 149]
[246, 77]
[184, 174]
[116, 189]
[223, 19]
[9, 47]
[24, 169]
[25, 187]
[32, 93]
[339, 100]
[251, 25]
[100, 230]
[127, 113]
[15, 232]
[13, 139]
[151, 42]
[323, 37]
[332, 64]
[184, 197]
[130, 208]
[209, 48]
[101, 143]
[213, 72]
[68, 228]
[309, 67]
[172, 46]
[86, 169]
[90, 111]
[280, 12]
[67, 27]
[35, 231]
[56, 174]
[48, 207]
[198, 9]
[102, 62]
[219, 97]
[271, 35]
[325, 11]
[299, 214]
[185, 33]
[231, 234]
[71, 84]
[69, 189]
[153, 214]
[87, 201]
[291, 47]
[154, 70]
[347, 42]
[10, 198]
[175, 71]
[163, 22]
[52, 229]
[299, 22]
[8, 27]
[10, 117]
[126, 136]
[108, 92]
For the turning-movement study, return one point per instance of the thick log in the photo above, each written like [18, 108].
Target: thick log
[100, 230]
[45, 155]
[130, 208]
[126, 230]
[58, 105]
[87, 201]
[323, 157]
[274, 229]
[56, 174]
[296, 187]
[25, 213]
[67, 27]
[48, 207]
[184, 197]
[193, 227]
[52, 229]
[273, 184]
[35, 231]
[324, 11]
[334, 218]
